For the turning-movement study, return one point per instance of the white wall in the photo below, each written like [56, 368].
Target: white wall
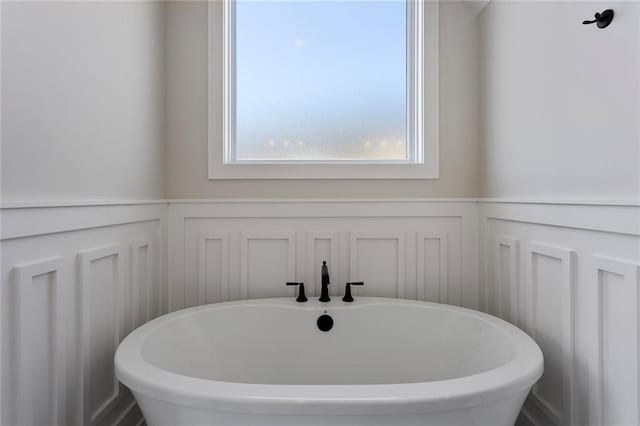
[561, 100]
[569, 276]
[75, 281]
[82, 119]
[560, 107]
[82, 100]
[227, 250]
[186, 87]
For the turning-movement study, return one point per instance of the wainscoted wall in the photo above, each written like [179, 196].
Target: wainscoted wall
[76, 280]
[244, 249]
[568, 275]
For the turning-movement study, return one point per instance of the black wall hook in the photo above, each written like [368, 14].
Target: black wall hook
[602, 19]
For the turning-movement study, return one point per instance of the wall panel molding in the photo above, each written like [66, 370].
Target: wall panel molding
[513, 285]
[613, 218]
[25, 222]
[621, 353]
[559, 414]
[86, 259]
[423, 267]
[600, 234]
[223, 238]
[326, 225]
[25, 384]
[54, 350]
[604, 301]
[321, 208]
[142, 278]
[355, 274]
[246, 263]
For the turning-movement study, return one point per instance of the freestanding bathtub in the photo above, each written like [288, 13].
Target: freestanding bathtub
[384, 362]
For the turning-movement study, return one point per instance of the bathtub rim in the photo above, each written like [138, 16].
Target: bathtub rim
[518, 374]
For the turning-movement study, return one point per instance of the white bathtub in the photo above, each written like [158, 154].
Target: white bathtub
[384, 362]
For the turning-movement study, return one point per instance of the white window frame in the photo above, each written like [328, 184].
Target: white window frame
[422, 111]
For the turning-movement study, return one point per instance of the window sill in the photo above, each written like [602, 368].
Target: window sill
[218, 170]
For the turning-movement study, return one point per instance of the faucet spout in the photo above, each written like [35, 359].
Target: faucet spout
[324, 293]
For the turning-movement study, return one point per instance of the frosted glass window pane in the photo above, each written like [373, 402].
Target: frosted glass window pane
[321, 80]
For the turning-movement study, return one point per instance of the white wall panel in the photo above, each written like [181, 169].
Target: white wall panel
[550, 286]
[268, 261]
[142, 279]
[75, 280]
[432, 255]
[39, 339]
[506, 279]
[378, 259]
[556, 270]
[616, 384]
[412, 249]
[101, 328]
[213, 264]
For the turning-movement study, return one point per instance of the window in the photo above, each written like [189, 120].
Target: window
[324, 89]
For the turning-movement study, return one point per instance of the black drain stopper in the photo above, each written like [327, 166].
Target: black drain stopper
[325, 323]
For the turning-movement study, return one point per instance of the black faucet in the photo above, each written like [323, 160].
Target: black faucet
[347, 291]
[301, 296]
[324, 294]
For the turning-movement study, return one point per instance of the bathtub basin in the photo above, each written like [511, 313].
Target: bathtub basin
[384, 362]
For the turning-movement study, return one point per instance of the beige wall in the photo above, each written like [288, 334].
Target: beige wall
[82, 100]
[86, 109]
[561, 101]
[186, 118]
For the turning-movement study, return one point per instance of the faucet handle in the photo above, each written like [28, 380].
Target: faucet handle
[301, 296]
[347, 291]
